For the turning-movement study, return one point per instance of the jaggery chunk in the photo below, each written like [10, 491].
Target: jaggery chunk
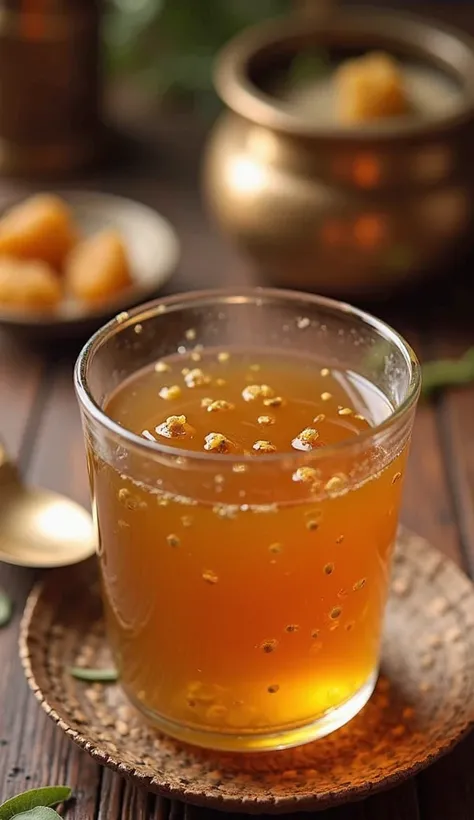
[41, 227]
[98, 268]
[370, 88]
[28, 285]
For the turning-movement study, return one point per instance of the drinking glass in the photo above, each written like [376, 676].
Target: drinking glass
[262, 629]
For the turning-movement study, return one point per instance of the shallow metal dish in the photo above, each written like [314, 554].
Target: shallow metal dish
[153, 249]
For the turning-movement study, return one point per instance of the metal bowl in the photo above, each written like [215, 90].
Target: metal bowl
[345, 211]
[153, 250]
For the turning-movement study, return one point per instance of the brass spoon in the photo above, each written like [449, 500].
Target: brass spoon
[39, 528]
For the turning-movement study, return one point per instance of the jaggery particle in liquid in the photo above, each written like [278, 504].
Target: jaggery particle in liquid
[274, 616]
[219, 398]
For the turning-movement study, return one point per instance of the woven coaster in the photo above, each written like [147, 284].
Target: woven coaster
[423, 703]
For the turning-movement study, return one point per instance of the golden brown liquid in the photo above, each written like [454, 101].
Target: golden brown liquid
[250, 607]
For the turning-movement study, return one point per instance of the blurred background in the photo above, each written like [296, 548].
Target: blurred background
[267, 142]
[167, 48]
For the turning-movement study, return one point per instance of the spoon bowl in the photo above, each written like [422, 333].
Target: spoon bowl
[40, 528]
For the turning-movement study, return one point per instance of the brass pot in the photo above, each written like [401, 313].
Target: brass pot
[341, 210]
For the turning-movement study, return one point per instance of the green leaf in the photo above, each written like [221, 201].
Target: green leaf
[40, 813]
[156, 41]
[309, 65]
[6, 609]
[93, 675]
[33, 799]
[448, 373]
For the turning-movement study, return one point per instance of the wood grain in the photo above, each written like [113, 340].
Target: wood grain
[397, 804]
[455, 416]
[446, 790]
[456, 420]
[427, 506]
[20, 379]
[58, 461]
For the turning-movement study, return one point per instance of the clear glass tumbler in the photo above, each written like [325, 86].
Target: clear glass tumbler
[245, 608]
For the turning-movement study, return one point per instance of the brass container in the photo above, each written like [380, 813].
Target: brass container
[347, 211]
[49, 85]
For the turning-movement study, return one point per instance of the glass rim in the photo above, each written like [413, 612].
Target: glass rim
[238, 295]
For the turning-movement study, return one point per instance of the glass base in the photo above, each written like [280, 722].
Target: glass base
[282, 738]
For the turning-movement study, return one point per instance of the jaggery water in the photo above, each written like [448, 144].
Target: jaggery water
[238, 603]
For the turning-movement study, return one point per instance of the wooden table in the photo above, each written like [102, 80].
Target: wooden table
[39, 421]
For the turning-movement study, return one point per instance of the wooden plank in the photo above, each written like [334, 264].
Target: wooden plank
[20, 377]
[110, 796]
[120, 800]
[455, 412]
[162, 809]
[456, 422]
[80, 772]
[135, 803]
[446, 790]
[41, 755]
[58, 460]
[427, 507]
[34, 752]
[20, 400]
[397, 804]
[178, 811]
[427, 504]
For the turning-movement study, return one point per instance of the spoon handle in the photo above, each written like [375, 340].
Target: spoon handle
[8, 471]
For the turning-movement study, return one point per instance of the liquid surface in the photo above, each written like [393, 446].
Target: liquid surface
[229, 615]
[247, 398]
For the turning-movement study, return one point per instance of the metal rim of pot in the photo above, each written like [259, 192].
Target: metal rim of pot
[441, 46]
